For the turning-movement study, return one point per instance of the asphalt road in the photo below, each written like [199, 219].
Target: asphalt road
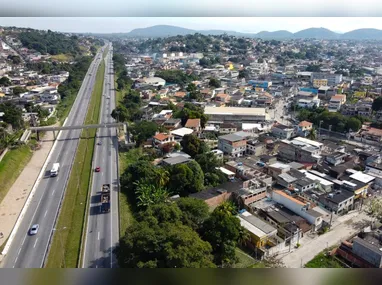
[102, 232]
[30, 251]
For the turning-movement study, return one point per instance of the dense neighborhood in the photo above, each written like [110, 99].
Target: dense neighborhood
[285, 132]
[233, 152]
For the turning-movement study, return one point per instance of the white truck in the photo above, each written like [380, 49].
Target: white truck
[55, 169]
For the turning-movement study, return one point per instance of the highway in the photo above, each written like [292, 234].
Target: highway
[28, 251]
[102, 231]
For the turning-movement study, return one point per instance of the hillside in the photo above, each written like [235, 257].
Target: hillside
[275, 35]
[363, 34]
[316, 33]
[160, 31]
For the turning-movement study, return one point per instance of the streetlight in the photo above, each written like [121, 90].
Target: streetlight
[62, 246]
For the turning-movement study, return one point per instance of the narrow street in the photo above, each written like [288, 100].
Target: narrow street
[348, 226]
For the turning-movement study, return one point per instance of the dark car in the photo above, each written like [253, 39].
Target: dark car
[97, 169]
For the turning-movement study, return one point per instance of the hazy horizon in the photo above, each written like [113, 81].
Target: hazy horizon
[238, 24]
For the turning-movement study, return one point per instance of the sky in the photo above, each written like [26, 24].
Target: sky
[239, 24]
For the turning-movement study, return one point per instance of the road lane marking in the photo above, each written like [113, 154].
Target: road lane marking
[46, 212]
[35, 243]
[98, 235]
[54, 190]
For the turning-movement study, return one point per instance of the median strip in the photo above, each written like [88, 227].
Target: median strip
[66, 244]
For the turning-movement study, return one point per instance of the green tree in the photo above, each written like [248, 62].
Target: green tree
[186, 178]
[353, 123]
[377, 104]
[12, 115]
[222, 230]
[143, 130]
[18, 90]
[4, 81]
[214, 82]
[159, 240]
[121, 114]
[192, 145]
[243, 73]
[312, 135]
[194, 211]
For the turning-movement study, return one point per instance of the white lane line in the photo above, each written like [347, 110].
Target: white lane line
[35, 243]
[46, 212]
[54, 190]
[98, 236]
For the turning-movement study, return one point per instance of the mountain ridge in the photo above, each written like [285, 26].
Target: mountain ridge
[316, 33]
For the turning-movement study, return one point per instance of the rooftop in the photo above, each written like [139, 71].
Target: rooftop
[182, 132]
[256, 225]
[176, 160]
[285, 195]
[231, 138]
[235, 111]
[305, 124]
[192, 123]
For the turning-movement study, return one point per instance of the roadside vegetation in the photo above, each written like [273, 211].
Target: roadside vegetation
[324, 260]
[66, 244]
[11, 166]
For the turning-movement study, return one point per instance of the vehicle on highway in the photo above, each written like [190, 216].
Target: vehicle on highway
[99, 143]
[55, 169]
[34, 229]
[97, 169]
[108, 97]
[105, 198]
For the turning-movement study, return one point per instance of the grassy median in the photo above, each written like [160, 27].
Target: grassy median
[66, 244]
[11, 166]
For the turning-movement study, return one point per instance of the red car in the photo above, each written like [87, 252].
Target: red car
[97, 169]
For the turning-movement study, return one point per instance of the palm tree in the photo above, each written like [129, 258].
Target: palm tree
[312, 135]
[163, 177]
[227, 208]
[244, 236]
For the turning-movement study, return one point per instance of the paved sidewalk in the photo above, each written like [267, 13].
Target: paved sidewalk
[351, 224]
[13, 202]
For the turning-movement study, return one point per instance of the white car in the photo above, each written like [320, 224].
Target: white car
[108, 97]
[34, 229]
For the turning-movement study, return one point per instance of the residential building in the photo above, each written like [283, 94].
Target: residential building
[222, 98]
[175, 160]
[264, 99]
[247, 171]
[172, 124]
[193, 124]
[332, 79]
[261, 232]
[253, 190]
[304, 128]
[300, 207]
[227, 128]
[338, 201]
[162, 138]
[256, 148]
[217, 195]
[232, 145]
[336, 102]
[319, 82]
[282, 131]
[301, 150]
[180, 133]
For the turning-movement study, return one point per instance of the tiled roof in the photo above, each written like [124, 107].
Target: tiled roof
[161, 136]
[193, 123]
